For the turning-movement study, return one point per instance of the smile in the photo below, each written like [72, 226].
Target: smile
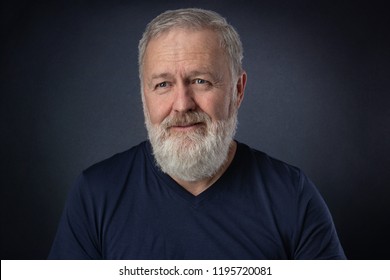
[186, 127]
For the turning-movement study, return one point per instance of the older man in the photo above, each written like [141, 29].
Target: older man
[192, 191]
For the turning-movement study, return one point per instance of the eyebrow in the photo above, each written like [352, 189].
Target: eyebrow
[161, 75]
[194, 73]
[200, 73]
[215, 77]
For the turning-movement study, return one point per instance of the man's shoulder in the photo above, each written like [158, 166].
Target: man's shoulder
[118, 163]
[269, 166]
[264, 159]
[105, 180]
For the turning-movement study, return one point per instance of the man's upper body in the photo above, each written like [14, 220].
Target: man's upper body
[260, 208]
[191, 191]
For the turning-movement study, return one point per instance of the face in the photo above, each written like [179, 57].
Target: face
[188, 102]
[186, 70]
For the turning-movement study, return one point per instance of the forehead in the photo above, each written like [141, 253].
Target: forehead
[187, 45]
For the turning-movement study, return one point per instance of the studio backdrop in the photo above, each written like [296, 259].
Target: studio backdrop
[317, 97]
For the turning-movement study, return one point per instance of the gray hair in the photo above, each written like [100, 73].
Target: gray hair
[196, 19]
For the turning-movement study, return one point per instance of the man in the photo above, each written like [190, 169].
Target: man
[191, 191]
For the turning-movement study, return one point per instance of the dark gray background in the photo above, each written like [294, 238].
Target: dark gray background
[317, 97]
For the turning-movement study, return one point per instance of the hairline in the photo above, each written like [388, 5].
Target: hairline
[163, 32]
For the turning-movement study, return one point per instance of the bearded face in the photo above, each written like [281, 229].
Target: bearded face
[190, 98]
[191, 155]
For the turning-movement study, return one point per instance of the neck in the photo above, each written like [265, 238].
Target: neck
[197, 187]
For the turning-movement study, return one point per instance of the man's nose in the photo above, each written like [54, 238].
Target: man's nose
[183, 99]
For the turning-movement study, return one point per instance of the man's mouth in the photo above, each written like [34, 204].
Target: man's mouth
[185, 127]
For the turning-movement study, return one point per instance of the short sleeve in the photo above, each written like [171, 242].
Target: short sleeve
[315, 236]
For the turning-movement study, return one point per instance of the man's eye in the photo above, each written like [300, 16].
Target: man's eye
[162, 85]
[200, 81]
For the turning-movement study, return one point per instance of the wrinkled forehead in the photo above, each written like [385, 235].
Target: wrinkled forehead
[212, 36]
[185, 47]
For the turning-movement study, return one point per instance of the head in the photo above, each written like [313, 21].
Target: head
[195, 19]
[192, 84]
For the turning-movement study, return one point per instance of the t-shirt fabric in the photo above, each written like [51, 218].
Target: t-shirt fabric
[125, 207]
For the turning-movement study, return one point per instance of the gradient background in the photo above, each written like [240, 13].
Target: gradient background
[317, 97]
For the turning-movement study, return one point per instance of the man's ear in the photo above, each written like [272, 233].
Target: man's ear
[240, 86]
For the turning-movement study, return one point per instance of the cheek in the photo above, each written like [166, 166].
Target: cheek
[217, 108]
[158, 109]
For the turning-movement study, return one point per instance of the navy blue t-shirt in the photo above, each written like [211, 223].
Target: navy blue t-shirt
[260, 208]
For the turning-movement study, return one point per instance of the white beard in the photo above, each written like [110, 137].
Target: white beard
[195, 155]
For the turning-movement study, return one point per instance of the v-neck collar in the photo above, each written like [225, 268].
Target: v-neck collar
[193, 200]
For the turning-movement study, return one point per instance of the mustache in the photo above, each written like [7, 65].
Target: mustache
[186, 119]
